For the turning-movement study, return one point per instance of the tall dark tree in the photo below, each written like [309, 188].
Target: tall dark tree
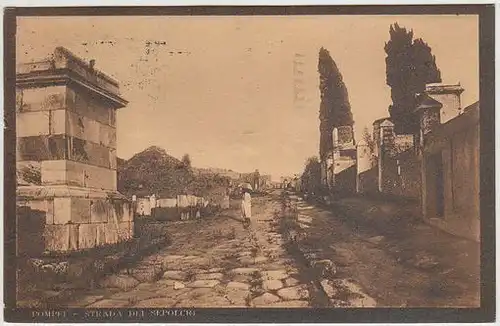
[311, 177]
[367, 137]
[426, 70]
[370, 142]
[335, 109]
[410, 65]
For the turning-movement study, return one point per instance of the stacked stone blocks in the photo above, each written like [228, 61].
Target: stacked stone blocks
[66, 152]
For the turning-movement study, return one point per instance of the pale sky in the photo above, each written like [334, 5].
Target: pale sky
[222, 88]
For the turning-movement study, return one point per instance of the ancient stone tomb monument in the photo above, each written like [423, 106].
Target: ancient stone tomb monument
[66, 155]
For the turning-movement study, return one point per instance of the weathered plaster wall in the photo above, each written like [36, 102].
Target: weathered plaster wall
[457, 142]
[167, 202]
[451, 105]
[343, 164]
[364, 159]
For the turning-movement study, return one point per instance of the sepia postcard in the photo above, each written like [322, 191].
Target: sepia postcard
[249, 164]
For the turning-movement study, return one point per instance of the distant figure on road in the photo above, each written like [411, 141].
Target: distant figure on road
[225, 201]
[134, 205]
[246, 206]
[199, 206]
[152, 202]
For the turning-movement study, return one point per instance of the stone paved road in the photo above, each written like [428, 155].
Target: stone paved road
[211, 263]
[414, 266]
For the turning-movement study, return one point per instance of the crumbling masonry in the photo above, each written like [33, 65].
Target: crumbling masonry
[66, 155]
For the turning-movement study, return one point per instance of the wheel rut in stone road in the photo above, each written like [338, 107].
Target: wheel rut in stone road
[331, 290]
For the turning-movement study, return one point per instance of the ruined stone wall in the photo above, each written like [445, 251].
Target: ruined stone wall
[166, 209]
[410, 174]
[389, 173]
[399, 165]
[402, 175]
[463, 166]
[75, 223]
[169, 209]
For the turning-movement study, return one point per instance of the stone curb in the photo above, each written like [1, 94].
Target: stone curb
[304, 255]
[309, 263]
[310, 260]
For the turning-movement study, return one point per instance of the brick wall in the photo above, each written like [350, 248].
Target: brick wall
[456, 145]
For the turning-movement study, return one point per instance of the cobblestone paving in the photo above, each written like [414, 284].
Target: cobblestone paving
[411, 267]
[211, 263]
[341, 292]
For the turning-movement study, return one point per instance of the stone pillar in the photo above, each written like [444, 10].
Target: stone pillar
[376, 133]
[345, 136]
[386, 145]
[363, 158]
[449, 96]
[343, 141]
[428, 112]
[429, 115]
[66, 137]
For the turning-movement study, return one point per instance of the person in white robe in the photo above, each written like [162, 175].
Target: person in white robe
[246, 206]
[225, 200]
[152, 202]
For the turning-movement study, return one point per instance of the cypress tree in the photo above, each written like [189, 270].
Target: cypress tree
[410, 65]
[335, 109]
